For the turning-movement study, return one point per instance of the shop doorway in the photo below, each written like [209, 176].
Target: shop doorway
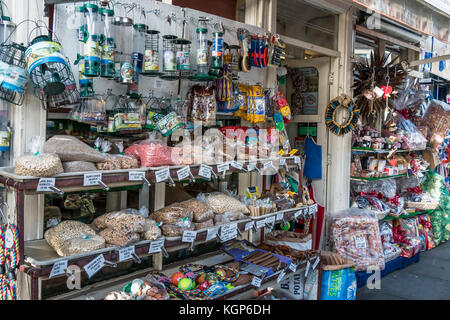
[308, 91]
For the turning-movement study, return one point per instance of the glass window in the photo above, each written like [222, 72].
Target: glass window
[301, 20]
[303, 90]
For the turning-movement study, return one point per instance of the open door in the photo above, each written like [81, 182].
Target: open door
[308, 93]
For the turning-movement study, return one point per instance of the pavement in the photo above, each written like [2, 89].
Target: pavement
[428, 279]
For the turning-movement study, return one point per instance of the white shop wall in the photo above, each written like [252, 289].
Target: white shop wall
[65, 33]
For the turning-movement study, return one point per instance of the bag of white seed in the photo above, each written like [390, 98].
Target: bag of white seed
[38, 164]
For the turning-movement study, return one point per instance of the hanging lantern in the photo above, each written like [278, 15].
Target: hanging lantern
[48, 68]
[151, 54]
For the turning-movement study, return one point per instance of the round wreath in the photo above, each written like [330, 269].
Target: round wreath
[343, 101]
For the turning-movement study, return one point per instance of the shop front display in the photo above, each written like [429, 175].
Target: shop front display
[173, 174]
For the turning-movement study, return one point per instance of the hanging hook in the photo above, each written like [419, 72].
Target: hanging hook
[2, 213]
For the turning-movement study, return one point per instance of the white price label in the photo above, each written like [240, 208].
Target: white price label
[267, 165]
[360, 242]
[223, 167]
[58, 268]
[282, 161]
[298, 213]
[92, 179]
[297, 160]
[136, 175]
[260, 223]
[126, 253]
[9, 239]
[158, 83]
[162, 175]
[316, 263]
[308, 265]
[293, 267]
[256, 282]
[156, 246]
[45, 184]
[270, 220]
[281, 276]
[313, 208]
[237, 165]
[251, 167]
[249, 225]
[205, 171]
[189, 236]
[280, 216]
[95, 265]
[212, 233]
[228, 232]
[183, 173]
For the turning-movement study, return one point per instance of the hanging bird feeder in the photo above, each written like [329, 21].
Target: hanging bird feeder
[48, 68]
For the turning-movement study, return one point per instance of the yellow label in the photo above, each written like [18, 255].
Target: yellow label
[293, 151]
[281, 152]
[291, 193]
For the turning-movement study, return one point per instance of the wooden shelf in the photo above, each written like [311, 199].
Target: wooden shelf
[41, 257]
[73, 181]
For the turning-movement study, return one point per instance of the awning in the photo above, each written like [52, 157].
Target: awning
[417, 15]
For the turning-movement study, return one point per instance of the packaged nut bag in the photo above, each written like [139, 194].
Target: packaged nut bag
[36, 163]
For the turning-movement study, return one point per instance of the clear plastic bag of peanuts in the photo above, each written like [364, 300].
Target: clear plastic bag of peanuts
[36, 163]
[121, 221]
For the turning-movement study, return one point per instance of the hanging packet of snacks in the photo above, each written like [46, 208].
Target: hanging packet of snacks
[169, 124]
[224, 94]
[259, 105]
[241, 101]
[282, 106]
[152, 120]
[203, 105]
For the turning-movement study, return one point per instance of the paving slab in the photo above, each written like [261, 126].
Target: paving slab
[429, 279]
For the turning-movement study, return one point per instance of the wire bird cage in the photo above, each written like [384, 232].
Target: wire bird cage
[170, 71]
[50, 72]
[151, 54]
[12, 63]
[12, 72]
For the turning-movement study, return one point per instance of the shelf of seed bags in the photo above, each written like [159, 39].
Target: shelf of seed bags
[72, 181]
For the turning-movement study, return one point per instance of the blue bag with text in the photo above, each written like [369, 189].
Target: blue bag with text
[338, 284]
[338, 277]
